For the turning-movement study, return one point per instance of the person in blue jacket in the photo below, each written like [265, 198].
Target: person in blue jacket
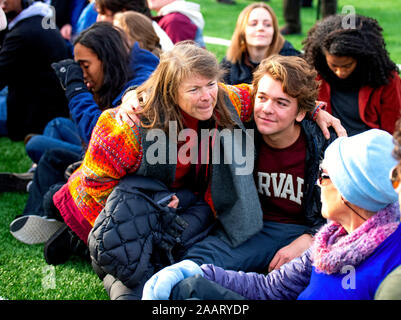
[87, 17]
[351, 254]
[105, 67]
[95, 81]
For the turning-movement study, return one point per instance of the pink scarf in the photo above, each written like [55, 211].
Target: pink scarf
[334, 248]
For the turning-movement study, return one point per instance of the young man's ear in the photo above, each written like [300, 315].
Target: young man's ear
[300, 116]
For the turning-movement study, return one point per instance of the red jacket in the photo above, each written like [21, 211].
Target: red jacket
[378, 108]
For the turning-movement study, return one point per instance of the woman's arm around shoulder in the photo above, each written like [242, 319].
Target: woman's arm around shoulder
[240, 96]
[113, 152]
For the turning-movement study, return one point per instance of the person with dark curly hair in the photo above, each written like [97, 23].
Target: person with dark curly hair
[359, 81]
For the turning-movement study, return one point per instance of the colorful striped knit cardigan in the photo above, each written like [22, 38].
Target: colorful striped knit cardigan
[113, 152]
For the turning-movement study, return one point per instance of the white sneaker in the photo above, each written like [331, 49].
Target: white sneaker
[33, 229]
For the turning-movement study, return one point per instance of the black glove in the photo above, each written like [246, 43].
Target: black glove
[171, 222]
[71, 77]
[171, 228]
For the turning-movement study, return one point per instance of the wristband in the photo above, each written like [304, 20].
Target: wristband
[320, 105]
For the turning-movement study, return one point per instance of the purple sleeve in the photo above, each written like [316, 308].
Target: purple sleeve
[283, 284]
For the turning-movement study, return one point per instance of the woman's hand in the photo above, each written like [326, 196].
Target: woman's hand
[174, 202]
[126, 111]
[291, 251]
[325, 120]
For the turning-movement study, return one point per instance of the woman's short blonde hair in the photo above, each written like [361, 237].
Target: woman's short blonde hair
[238, 44]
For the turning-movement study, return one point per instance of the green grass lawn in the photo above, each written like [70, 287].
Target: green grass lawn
[24, 273]
[221, 19]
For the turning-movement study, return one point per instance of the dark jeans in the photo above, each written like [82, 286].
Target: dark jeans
[253, 255]
[49, 171]
[292, 14]
[59, 133]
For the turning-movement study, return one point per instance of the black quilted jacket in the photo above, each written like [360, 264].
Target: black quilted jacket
[133, 236]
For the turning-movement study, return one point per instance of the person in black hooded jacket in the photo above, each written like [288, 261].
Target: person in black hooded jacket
[31, 44]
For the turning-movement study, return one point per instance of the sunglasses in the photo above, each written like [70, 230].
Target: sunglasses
[322, 176]
[395, 179]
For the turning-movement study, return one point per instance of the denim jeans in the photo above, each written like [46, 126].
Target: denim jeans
[3, 111]
[50, 171]
[253, 255]
[58, 133]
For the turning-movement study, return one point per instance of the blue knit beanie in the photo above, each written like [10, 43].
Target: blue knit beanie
[359, 168]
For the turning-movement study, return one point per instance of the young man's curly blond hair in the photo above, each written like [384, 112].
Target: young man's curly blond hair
[298, 79]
